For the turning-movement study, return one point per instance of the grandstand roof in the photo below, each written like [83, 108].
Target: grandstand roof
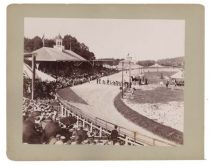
[53, 54]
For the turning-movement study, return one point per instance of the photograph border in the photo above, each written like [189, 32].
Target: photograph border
[193, 147]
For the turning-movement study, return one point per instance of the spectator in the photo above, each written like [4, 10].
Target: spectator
[114, 135]
[167, 83]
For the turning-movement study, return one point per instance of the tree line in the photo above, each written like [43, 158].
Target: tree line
[146, 63]
[173, 62]
[69, 42]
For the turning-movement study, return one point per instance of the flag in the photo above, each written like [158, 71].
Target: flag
[43, 36]
[129, 57]
[43, 39]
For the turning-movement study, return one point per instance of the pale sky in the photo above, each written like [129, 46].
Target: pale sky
[115, 38]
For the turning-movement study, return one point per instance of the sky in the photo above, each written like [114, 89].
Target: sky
[115, 38]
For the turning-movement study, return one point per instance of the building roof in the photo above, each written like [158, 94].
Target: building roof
[58, 37]
[73, 54]
[53, 54]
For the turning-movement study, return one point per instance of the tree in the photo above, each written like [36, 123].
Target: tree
[81, 49]
[69, 43]
[84, 47]
[175, 62]
[37, 43]
[146, 63]
[28, 45]
[49, 43]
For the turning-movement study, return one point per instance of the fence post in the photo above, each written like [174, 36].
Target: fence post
[83, 122]
[100, 132]
[91, 127]
[126, 140]
[134, 136]
[77, 121]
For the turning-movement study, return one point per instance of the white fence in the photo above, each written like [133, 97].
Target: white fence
[104, 128]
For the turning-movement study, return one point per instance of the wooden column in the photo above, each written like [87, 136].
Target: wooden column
[33, 75]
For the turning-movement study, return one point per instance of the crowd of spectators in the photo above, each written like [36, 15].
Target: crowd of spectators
[134, 81]
[43, 124]
[46, 90]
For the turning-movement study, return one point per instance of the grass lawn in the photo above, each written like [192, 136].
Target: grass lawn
[69, 95]
[158, 95]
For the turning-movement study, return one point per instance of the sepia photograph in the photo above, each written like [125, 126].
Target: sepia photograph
[116, 82]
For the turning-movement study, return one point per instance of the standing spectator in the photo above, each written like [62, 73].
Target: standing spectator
[107, 82]
[114, 135]
[167, 83]
[146, 81]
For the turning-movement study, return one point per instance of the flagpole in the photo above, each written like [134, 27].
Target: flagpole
[43, 40]
[122, 78]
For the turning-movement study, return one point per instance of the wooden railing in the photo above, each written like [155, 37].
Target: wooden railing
[104, 127]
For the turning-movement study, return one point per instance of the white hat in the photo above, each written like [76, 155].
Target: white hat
[73, 143]
[86, 129]
[85, 141]
[58, 135]
[63, 137]
[71, 130]
[59, 143]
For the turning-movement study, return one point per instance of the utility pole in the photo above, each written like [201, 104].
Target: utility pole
[129, 62]
[129, 74]
[33, 75]
[122, 78]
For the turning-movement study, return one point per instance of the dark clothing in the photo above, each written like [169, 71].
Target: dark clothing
[146, 81]
[114, 136]
[167, 83]
[81, 135]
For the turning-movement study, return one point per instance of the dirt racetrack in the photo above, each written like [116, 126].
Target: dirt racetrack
[100, 103]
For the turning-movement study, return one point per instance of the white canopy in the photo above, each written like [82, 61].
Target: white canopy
[27, 71]
[178, 75]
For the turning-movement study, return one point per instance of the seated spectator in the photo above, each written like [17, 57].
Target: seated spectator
[81, 135]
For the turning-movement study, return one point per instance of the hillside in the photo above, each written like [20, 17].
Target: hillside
[176, 62]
